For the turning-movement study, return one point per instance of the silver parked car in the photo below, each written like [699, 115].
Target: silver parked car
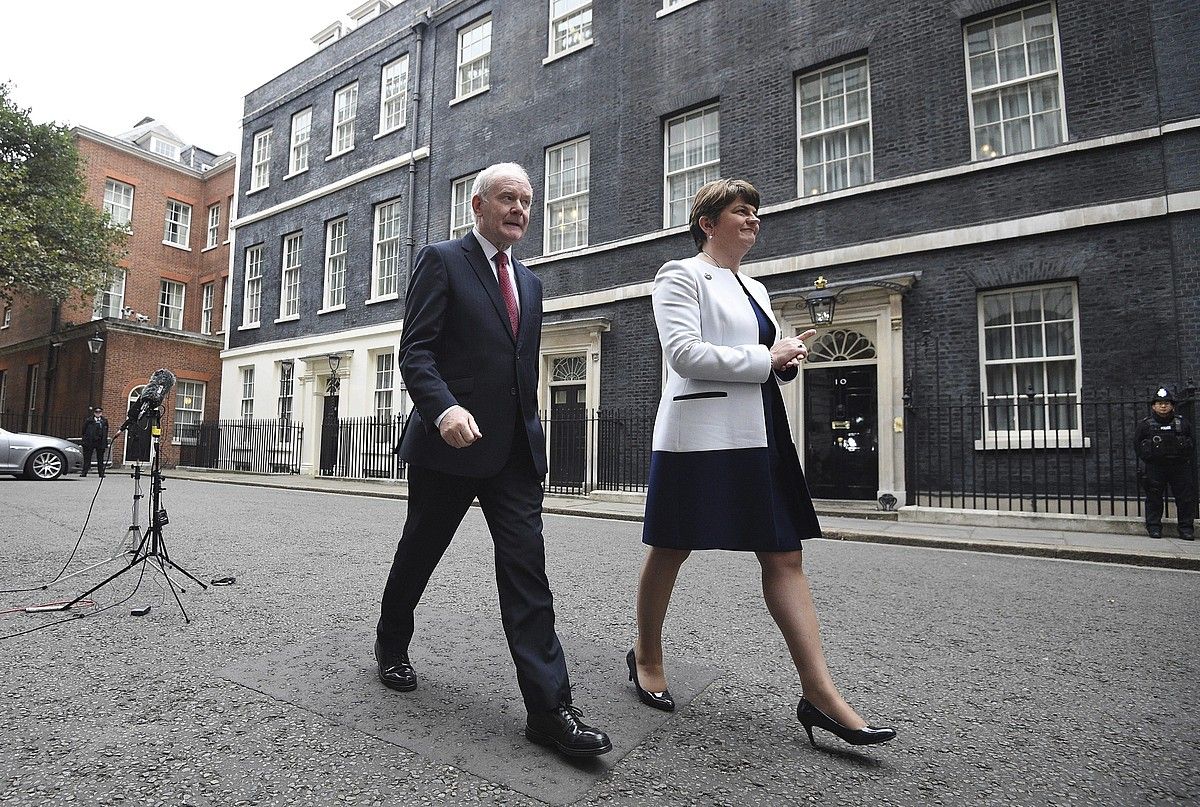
[38, 456]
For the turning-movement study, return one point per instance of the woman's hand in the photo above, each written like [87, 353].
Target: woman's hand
[790, 351]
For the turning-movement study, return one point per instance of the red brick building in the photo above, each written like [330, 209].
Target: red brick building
[164, 307]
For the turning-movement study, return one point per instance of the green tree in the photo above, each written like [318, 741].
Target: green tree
[52, 241]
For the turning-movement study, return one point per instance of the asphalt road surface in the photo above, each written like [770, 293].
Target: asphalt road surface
[1011, 680]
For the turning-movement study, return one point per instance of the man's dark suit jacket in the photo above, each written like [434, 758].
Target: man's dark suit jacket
[457, 348]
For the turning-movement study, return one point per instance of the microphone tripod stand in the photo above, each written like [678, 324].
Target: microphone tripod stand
[133, 536]
[151, 549]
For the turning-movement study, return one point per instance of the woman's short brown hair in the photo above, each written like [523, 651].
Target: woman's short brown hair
[714, 197]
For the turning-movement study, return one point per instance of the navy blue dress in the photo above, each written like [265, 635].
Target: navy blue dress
[747, 499]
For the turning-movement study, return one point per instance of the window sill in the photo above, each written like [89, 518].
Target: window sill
[383, 299]
[554, 57]
[1033, 440]
[176, 246]
[254, 326]
[339, 154]
[210, 247]
[253, 191]
[387, 132]
[294, 174]
[292, 318]
[331, 309]
[662, 12]
[459, 99]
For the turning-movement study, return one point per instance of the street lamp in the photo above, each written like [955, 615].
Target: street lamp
[822, 302]
[94, 345]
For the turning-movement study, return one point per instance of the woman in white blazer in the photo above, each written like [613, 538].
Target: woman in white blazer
[724, 473]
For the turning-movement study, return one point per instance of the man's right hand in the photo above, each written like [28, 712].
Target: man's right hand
[458, 428]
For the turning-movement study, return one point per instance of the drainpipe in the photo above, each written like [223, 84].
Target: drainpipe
[51, 365]
[419, 28]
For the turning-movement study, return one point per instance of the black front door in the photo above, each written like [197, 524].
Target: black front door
[841, 432]
[568, 413]
[329, 435]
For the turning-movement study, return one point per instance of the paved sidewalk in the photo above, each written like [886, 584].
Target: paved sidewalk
[1046, 536]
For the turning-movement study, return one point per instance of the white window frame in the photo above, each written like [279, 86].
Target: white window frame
[226, 304]
[214, 226]
[206, 308]
[345, 110]
[164, 148]
[289, 277]
[385, 385]
[246, 410]
[334, 284]
[116, 204]
[1019, 437]
[177, 227]
[301, 135]
[286, 403]
[462, 216]
[985, 150]
[252, 292]
[826, 136]
[387, 251]
[705, 170]
[187, 414]
[393, 95]
[116, 288]
[567, 24]
[474, 72]
[578, 198]
[7, 321]
[170, 312]
[260, 173]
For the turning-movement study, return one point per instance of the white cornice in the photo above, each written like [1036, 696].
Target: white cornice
[333, 187]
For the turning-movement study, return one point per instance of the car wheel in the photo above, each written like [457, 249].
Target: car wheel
[45, 464]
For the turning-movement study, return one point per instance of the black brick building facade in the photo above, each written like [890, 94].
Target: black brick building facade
[1107, 212]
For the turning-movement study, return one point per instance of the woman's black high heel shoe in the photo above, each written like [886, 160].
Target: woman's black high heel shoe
[657, 700]
[810, 716]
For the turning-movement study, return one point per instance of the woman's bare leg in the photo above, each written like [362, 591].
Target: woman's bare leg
[655, 585]
[789, 600]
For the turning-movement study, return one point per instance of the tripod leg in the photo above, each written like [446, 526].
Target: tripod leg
[105, 582]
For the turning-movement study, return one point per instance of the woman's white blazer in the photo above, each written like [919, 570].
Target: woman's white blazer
[715, 364]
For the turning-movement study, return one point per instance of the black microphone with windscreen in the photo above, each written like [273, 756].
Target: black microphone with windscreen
[155, 391]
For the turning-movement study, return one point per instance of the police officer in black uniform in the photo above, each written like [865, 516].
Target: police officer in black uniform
[1165, 444]
[95, 440]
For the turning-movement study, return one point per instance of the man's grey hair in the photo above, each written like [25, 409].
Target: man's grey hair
[488, 177]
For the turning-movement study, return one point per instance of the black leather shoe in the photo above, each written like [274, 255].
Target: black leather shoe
[655, 700]
[810, 716]
[1153, 533]
[396, 672]
[1187, 535]
[561, 729]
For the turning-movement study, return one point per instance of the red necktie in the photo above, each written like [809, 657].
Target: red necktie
[506, 292]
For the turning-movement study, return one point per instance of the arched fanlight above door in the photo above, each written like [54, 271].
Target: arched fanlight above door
[841, 345]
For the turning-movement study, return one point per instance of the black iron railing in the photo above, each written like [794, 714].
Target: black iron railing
[263, 446]
[62, 426]
[366, 448]
[1067, 456]
[601, 449]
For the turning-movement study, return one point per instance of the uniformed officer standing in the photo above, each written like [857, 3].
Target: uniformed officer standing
[1165, 444]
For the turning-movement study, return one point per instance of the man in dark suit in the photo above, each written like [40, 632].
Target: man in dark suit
[469, 358]
[95, 440]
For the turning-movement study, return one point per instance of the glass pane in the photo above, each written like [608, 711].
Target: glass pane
[1039, 23]
[999, 380]
[1057, 303]
[1047, 129]
[1060, 376]
[1060, 339]
[834, 83]
[1041, 56]
[856, 106]
[997, 343]
[810, 89]
[1044, 95]
[983, 70]
[834, 114]
[1027, 306]
[1012, 63]
[1063, 417]
[812, 180]
[856, 76]
[810, 118]
[987, 109]
[988, 141]
[1009, 30]
[811, 150]
[980, 39]
[1018, 136]
[859, 140]
[836, 175]
[835, 146]
[1015, 102]
[996, 310]
[860, 170]
[1028, 339]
